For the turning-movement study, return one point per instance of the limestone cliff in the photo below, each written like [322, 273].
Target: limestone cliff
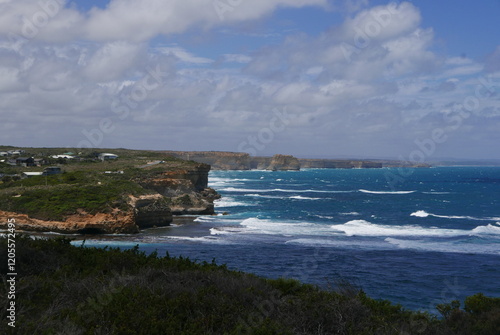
[151, 211]
[243, 161]
[338, 164]
[82, 223]
[284, 163]
[185, 189]
[218, 160]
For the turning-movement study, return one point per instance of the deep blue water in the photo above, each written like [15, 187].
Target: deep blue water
[417, 237]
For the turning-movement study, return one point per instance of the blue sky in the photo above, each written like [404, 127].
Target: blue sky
[412, 80]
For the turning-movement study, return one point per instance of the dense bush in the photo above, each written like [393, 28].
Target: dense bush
[54, 197]
[62, 289]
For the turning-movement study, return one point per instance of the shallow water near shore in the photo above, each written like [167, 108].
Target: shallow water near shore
[431, 237]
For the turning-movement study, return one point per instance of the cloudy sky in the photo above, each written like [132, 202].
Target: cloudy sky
[414, 80]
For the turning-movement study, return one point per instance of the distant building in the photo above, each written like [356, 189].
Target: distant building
[63, 156]
[30, 174]
[4, 153]
[107, 156]
[25, 161]
[51, 170]
[39, 161]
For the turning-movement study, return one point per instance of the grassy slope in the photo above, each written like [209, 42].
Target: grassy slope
[78, 290]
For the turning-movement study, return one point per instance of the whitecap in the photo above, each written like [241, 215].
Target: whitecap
[487, 230]
[420, 214]
[299, 197]
[424, 214]
[365, 228]
[202, 239]
[386, 192]
[270, 227]
[229, 202]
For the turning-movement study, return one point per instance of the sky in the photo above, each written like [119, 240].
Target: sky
[410, 80]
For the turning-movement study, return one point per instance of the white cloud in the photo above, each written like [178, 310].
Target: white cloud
[237, 58]
[183, 55]
[111, 61]
[131, 20]
[391, 85]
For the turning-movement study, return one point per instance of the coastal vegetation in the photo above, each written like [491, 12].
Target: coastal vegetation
[67, 289]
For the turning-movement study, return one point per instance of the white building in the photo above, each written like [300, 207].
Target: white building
[107, 156]
[31, 174]
[63, 156]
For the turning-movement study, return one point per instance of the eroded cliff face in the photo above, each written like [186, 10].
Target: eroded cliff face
[151, 211]
[185, 189]
[118, 222]
[284, 163]
[218, 160]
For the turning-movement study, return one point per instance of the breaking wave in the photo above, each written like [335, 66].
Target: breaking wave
[387, 192]
[424, 214]
[365, 228]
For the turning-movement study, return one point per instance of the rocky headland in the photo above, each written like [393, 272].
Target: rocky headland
[86, 199]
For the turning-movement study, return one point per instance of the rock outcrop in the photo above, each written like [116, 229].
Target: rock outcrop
[151, 211]
[284, 163]
[218, 160]
[185, 189]
[118, 222]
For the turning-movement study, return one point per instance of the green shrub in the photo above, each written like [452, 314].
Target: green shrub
[79, 290]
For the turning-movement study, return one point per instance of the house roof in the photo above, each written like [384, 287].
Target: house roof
[33, 173]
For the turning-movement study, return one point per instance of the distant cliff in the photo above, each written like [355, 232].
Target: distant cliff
[243, 161]
[218, 160]
[338, 164]
[284, 163]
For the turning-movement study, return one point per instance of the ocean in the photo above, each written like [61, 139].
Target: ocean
[416, 237]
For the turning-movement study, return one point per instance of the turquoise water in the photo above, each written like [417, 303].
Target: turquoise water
[416, 237]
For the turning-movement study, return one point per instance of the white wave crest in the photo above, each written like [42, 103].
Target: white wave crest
[299, 197]
[229, 202]
[387, 192]
[424, 214]
[487, 230]
[365, 228]
[270, 227]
